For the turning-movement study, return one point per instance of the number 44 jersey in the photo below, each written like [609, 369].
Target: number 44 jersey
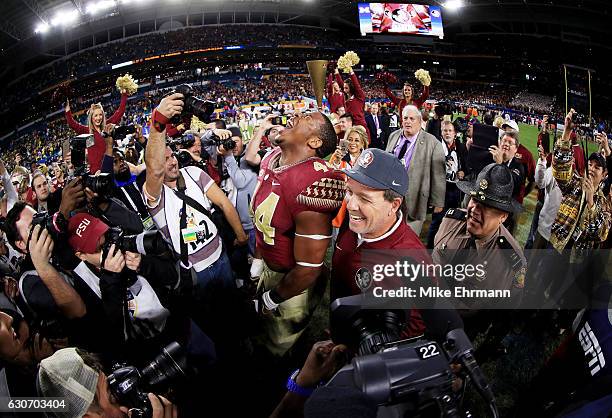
[284, 192]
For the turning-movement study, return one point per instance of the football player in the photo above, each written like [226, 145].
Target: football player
[293, 205]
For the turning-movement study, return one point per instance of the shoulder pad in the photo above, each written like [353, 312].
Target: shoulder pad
[323, 194]
[457, 214]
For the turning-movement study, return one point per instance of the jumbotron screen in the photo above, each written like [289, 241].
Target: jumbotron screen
[400, 18]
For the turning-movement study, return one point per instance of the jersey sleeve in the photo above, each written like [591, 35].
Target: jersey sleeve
[322, 189]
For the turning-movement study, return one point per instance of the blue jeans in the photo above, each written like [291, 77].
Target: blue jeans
[216, 276]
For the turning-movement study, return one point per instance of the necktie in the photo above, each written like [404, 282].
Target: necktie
[376, 122]
[403, 150]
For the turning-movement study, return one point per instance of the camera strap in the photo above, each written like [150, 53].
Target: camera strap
[180, 193]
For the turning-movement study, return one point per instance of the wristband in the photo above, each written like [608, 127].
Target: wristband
[159, 121]
[275, 297]
[292, 386]
[269, 304]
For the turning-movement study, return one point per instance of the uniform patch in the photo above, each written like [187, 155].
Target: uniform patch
[365, 159]
[458, 214]
[519, 279]
[326, 193]
[363, 279]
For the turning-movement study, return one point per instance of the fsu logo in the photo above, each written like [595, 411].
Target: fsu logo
[363, 279]
[365, 159]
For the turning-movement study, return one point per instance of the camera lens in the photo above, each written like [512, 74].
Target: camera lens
[202, 109]
[377, 329]
[171, 363]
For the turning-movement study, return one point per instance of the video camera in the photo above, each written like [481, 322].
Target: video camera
[145, 243]
[130, 385]
[410, 377]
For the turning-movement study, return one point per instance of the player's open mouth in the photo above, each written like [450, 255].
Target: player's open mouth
[356, 218]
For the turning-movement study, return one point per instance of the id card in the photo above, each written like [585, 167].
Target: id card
[148, 223]
[197, 234]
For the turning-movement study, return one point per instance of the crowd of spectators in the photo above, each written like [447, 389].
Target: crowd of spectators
[237, 91]
[139, 47]
[532, 103]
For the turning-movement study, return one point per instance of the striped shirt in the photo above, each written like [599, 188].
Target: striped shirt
[204, 244]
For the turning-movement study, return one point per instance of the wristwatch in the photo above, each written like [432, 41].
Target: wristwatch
[292, 386]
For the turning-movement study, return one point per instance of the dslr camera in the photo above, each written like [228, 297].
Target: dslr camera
[227, 144]
[101, 184]
[130, 385]
[145, 243]
[45, 220]
[193, 106]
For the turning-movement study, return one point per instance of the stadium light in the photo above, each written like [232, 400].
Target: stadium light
[453, 4]
[42, 28]
[93, 8]
[65, 18]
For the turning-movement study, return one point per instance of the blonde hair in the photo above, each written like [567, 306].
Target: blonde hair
[360, 130]
[90, 113]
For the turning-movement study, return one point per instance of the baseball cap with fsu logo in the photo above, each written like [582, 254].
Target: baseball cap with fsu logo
[84, 231]
[379, 170]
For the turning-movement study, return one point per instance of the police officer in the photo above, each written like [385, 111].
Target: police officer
[480, 232]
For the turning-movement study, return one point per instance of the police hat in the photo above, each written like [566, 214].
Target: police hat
[493, 187]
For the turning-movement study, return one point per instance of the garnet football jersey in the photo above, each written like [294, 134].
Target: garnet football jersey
[282, 193]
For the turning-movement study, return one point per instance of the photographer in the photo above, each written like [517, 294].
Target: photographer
[45, 200]
[324, 359]
[180, 203]
[266, 134]
[78, 377]
[244, 178]
[46, 295]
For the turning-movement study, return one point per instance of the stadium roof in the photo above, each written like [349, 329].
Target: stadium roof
[30, 28]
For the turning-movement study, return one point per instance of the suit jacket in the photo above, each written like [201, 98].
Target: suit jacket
[378, 141]
[426, 175]
[385, 121]
[375, 141]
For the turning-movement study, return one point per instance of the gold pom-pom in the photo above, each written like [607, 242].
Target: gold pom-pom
[352, 57]
[423, 76]
[197, 125]
[348, 61]
[127, 83]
